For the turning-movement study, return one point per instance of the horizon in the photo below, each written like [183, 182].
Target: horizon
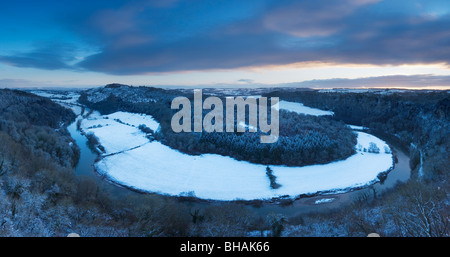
[343, 44]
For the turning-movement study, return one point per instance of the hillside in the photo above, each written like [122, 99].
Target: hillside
[304, 139]
[419, 120]
[38, 124]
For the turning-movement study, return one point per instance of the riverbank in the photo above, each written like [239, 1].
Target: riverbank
[150, 166]
[308, 201]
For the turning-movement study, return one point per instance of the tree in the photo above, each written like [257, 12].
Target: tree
[276, 222]
[420, 212]
[196, 216]
[2, 169]
[373, 148]
[272, 178]
[387, 149]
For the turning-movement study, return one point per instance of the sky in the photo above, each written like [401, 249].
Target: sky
[224, 43]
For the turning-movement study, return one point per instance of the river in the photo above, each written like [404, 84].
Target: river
[85, 167]
[400, 173]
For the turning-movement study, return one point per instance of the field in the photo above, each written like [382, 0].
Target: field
[132, 160]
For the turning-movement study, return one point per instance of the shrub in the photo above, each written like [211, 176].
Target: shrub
[145, 129]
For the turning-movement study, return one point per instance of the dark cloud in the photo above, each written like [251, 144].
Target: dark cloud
[347, 31]
[48, 56]
[312, 18]
[138, 37]
[393, 40]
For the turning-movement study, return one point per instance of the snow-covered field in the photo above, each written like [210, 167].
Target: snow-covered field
[154, 167]
[59, 97]
[119, 131]
[132, 160]
[301, 109]
[66, 99]
[354, 127]
[324, 200]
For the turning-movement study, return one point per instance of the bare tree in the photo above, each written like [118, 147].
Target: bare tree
[421, 214]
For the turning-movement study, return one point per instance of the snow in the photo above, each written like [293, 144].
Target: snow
[134, 161]
[154, 167]
[113, 142]
[158, 168]
[258, 233]
[245, 126]
[58, 96]
[254, 96]
[324, 200]
[301, 109]
[354, 127]
[358, 170]
[119, 131]
[135, 119]
[63, 98]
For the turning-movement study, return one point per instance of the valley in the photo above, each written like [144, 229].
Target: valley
[118, 170]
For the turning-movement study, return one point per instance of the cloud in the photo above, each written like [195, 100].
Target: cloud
[347, 31]
[307, 18]
[145, 37]
[51, 56]
[394, 40]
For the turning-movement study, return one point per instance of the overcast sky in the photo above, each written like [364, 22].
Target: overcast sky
[321, 43]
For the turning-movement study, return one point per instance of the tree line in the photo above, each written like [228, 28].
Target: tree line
[418, 117]
[304, 140]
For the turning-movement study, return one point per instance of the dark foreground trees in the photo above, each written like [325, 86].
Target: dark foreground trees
[420, 211]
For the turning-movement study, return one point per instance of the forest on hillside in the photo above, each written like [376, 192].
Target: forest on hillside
[41, 196]
[303, 140]
[419, 120]
[39, 124]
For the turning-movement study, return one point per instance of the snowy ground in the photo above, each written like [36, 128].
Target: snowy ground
[66, 99]
[119, 131]
[134, 161]
[59, 97]
[324, 200]
[301, 109]
[154, 167]
[354, 127]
